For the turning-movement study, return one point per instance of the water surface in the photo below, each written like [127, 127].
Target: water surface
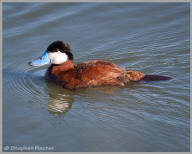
[150, 37]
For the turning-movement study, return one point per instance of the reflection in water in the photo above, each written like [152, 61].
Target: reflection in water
[106, 89]
[59, 104]
[60, 99]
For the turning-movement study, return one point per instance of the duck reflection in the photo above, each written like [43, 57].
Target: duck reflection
[60, 99]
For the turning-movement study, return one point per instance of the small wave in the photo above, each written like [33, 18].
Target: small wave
[25, 84]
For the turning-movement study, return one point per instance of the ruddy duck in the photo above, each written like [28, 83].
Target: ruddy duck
[92, 73]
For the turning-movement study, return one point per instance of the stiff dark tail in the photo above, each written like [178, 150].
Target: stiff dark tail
[155, 78]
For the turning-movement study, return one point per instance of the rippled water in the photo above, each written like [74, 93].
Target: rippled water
[150, 37]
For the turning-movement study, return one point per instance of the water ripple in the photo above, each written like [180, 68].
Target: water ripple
[25, 84]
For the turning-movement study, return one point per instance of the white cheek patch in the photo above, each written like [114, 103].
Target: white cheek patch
[57, 57]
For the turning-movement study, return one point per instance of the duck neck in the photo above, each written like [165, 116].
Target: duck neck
[56, 69]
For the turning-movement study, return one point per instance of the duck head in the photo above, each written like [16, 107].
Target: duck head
[57, 53]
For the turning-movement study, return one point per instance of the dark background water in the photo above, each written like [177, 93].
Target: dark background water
[150, 37]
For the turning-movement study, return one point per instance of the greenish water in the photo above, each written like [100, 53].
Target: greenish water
[150, 37]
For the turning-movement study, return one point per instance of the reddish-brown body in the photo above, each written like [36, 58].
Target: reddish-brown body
[91, 74]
